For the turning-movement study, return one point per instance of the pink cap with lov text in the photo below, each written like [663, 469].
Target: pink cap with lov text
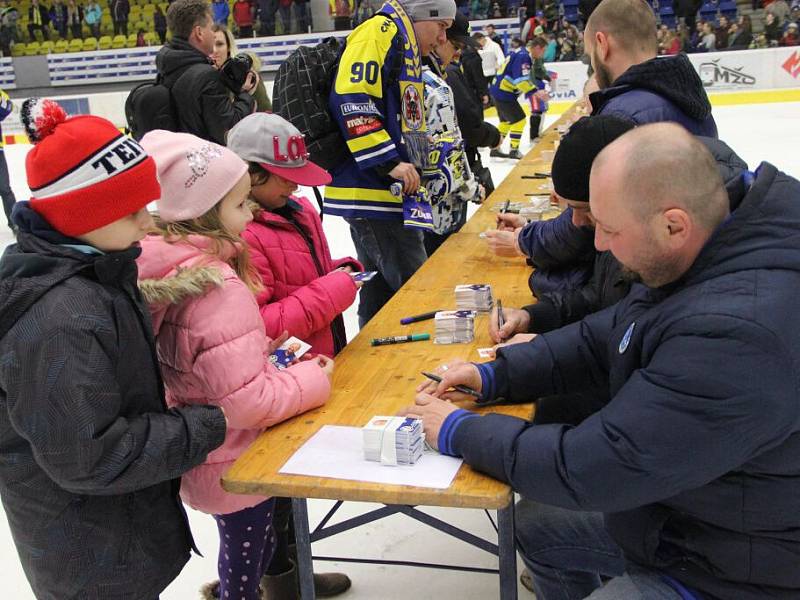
[277, 146]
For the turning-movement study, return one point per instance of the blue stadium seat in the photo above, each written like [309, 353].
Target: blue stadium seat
[708, 11]
[729, 9]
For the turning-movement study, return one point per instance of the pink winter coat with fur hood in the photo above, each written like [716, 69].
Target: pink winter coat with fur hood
[212, 349]
[304, 294]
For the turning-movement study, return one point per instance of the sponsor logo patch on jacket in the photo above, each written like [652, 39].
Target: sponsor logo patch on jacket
[362, 108]
[361, 125]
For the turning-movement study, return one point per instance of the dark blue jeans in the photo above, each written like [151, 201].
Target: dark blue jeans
[568, 552]
[396, 252]
[5, 188]
[303, 16]
[266, 15]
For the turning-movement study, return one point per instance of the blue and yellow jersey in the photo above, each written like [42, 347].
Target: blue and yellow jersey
[6, 106]
[365, 101]
[514, 77]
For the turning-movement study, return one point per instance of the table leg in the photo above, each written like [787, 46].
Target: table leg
[305, 565]
[508, 552]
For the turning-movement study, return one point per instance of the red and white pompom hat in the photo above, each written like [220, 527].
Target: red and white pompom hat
[82, 172]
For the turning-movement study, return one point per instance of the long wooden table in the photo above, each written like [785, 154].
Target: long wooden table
[381, 380]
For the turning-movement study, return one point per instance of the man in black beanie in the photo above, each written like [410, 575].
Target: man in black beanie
[571, 167]
[608, 283]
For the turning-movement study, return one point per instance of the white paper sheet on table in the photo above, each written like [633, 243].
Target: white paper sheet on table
[336, 452]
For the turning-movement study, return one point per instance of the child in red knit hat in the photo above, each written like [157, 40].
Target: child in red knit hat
[91, 458]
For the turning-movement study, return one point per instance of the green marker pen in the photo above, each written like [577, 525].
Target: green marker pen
[401, 339]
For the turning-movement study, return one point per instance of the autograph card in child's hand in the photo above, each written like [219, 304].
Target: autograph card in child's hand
[364, 275]
[290, 350]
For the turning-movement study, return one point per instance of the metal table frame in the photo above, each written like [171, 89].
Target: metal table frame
[505, 548]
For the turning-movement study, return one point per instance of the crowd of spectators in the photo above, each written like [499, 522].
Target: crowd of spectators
[80, 19]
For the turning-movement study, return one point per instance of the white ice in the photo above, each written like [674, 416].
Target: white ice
[764, 132]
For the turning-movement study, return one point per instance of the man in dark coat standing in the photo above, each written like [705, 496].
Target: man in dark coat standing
[206, 106]
[687, 483]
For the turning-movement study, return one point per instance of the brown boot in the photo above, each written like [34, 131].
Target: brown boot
[281, 587]
[331, 584]
[326, 585]
[210, 591]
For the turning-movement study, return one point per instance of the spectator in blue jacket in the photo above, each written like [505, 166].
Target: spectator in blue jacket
[92, 15]
[686, 484]
[220, 11]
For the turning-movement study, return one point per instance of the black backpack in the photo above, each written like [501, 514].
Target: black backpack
[150, 106]
[300, 95]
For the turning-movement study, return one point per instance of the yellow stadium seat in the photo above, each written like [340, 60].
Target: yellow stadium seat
[131, 40]
[90, 43]
[76, 45]
[18, 49]
[152, 39]
[119, 41]
[46, 47]
[104, 43]
[149, 9]
[32, 49]
[61, 47]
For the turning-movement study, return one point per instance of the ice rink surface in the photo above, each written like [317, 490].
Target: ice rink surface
[757, 132]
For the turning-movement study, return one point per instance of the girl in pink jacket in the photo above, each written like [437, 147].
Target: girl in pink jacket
[212, 349]
[305, 290]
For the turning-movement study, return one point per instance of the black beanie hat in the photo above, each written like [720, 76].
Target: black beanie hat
[573, 160]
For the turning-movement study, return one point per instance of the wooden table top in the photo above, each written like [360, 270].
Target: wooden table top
[371, 381]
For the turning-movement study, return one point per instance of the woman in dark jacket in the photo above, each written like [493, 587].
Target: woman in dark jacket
[743, 37]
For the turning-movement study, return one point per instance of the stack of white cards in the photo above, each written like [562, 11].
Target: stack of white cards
[474, 296]
[454, 326]
[393, 440]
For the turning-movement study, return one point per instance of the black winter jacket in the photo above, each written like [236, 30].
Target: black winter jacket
[476, 132]
[205, 106]
[472, 66]
[89, 454]
[695, 461]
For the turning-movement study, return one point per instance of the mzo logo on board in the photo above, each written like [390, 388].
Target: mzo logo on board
[714, 74]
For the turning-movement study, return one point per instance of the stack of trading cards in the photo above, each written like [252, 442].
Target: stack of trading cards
[454, 326]
[474, 296]
[393, 440]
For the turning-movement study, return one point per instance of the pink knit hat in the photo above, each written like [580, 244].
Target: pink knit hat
[195, 174]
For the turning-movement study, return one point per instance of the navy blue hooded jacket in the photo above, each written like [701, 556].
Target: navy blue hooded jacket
[655, 91]
[659, 90]
[695, 461]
